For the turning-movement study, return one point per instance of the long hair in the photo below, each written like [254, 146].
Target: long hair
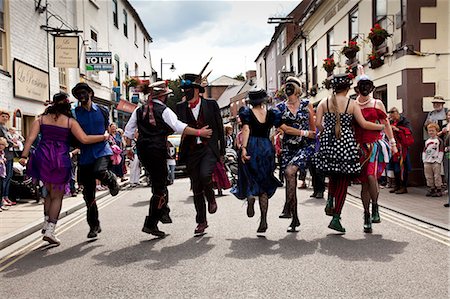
[59, 106]
[335, 110]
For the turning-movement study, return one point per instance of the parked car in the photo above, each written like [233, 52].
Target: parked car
[175, 140]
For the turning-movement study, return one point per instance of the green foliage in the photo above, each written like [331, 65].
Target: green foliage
[239, 77]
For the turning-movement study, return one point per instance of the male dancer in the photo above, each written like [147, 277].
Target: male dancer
[155, 121]
[94, 158]
[200, 155]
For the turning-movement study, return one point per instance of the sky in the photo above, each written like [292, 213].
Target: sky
[189, 33]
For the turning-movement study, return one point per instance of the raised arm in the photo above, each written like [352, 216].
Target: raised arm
[78, 132]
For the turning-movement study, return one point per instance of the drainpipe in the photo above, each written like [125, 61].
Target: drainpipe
[306, 65]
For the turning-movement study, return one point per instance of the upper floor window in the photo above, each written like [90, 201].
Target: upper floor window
[380, 12]
[94, 40]
[291, 62]
[330, 42]
[314, 64]
[117, 68]
[300, 59]
[260, 70]
[144, 42]
[353, 24]
[136, 69]
[3, 41]
[125, 23]
[127, 70]
[115, 16]
[135, 35]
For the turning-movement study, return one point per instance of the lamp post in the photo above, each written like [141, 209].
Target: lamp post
[172, 67]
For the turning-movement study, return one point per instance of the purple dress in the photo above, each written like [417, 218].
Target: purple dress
[50, 162]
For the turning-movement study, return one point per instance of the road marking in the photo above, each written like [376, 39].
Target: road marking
[27, 249]
[443, 239]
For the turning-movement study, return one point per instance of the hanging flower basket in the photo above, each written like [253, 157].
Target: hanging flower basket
[350, 50]
[326, 83]
[378, 35]
[329, 65]
[375, 60]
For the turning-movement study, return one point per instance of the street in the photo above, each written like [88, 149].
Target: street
[400, 259]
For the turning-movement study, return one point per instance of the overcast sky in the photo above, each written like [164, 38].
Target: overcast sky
[188, 33]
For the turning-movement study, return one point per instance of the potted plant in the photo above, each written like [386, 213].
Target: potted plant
[131, 82]
[375, 60]
[350, 49]
[378, 35]
[328, 65]
[326, 83]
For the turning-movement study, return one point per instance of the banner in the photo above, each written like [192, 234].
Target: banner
[66, 52]
[30, 82]
[99, 61]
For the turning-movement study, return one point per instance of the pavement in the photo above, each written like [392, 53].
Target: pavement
[26, 217]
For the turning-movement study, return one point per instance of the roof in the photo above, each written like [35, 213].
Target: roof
[224, 81]
[138, 20]
[263, 51]
[231, 91]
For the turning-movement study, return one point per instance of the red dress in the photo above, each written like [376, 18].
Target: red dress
[374, 150]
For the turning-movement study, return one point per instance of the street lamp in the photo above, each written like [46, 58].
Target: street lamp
[172, 67]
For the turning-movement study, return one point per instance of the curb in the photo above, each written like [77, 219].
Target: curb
[35, 226]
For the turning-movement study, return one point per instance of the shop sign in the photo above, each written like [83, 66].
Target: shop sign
[66, 51]
[99, 61]
[30, 82]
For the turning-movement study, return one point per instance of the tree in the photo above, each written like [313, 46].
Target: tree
[177, 94]
[239, 77]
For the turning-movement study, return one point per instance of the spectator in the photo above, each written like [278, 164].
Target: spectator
[229, 136]
[438, 115]
[115, 139]
[16, 138]
[3, 144]
[9, 155]
[400, 163]
[432, 156]
[171, 162]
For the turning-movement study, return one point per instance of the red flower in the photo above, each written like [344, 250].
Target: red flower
[377, 26]
[350, 75]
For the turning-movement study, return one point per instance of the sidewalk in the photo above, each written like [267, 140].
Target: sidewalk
[414, 204]
[26, 217]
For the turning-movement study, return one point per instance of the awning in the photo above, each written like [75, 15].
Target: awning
[126, 106]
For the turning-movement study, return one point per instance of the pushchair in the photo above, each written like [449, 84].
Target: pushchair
[22, 186]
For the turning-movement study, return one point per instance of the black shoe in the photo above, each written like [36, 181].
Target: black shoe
[319, 195]
[165, 218]
[314, 194]
[446, 205]
[94, 231]
[294, 224]
[367, 223]
[153, 231]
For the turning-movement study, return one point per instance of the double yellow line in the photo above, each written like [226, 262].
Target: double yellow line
[10, 259]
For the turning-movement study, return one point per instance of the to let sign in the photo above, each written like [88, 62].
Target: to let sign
[99, 61]
[30, 82]
[66, 51]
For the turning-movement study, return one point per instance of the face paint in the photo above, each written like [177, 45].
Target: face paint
[365, 88]
[290, 89]
[82, 96]
[189, 93]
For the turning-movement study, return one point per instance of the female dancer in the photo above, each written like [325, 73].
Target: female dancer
[338, 154]
[257, 163]
[374, 150]
[50, 163]
[297, 148]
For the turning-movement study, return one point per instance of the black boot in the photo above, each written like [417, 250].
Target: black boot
[375, 214]
[295, 221]
[149, 228]
[367, 223]
[110, 180]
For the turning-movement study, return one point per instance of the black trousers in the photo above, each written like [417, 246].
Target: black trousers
[87, 176]
[200, 165]
[317, 178]
[155, 163]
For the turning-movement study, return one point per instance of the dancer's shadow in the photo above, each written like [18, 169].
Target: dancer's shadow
[250, 248]
[293, 246]
[189, 200]
[372, 247]
[42, 257]
[165, 258]
[310, 201]
[142, 203]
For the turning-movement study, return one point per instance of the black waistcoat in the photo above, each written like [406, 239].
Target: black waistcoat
[198, 124]
[150, 136]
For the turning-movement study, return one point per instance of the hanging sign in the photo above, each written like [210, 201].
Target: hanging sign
[30, 82]
[66, 52]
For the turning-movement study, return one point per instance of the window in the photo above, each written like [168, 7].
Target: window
[136, 69]
[353, 25]
[125, 23]
[314, 64]
[135, 35]
[94, 40]
[17, 121]
[62, 74]
[3, 41]
[117, 68]
[115, 16]
[260, 70]
[330, 42]
[300, 59]
[291, 62]
[144, 42]
[379, 12]
[127, 70]
[381, 93]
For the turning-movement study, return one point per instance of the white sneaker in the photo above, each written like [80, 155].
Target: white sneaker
[44, 226]
[49, 235]
[4, 208]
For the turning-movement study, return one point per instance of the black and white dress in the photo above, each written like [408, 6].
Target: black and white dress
[338, 156]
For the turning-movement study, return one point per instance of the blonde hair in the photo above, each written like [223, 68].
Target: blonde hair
[3, 141]
[334, 109]
[433, 125]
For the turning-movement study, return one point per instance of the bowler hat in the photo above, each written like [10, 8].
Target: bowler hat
[257, 96]
[81, 86]
[438, 99]
[191, 81]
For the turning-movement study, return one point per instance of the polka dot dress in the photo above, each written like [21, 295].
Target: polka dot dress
[338, 156]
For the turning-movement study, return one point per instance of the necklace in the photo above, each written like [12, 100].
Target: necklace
[364, 103]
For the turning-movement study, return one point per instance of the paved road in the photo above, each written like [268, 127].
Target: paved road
[400, 259]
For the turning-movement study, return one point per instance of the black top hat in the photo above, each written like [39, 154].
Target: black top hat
[81, 86]
[341, 81]
[191, 81]
[257, 96]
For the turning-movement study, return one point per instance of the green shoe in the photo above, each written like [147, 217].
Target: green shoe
[329, 209]
[367, 223]
[336, 224]
[375, 214]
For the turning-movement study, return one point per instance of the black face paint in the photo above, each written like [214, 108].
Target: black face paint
[189, 93]
[365, 88]
[82, 96]
[290, 89]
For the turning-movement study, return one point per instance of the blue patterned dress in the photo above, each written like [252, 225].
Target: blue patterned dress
[297, 150]
[256, 177]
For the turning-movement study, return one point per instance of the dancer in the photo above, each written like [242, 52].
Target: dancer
[374, 149]
[338, 154]
[155, 121]
[298, 148]
[200, 155]
[257, 163]
[94, 158]
[50, 163]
